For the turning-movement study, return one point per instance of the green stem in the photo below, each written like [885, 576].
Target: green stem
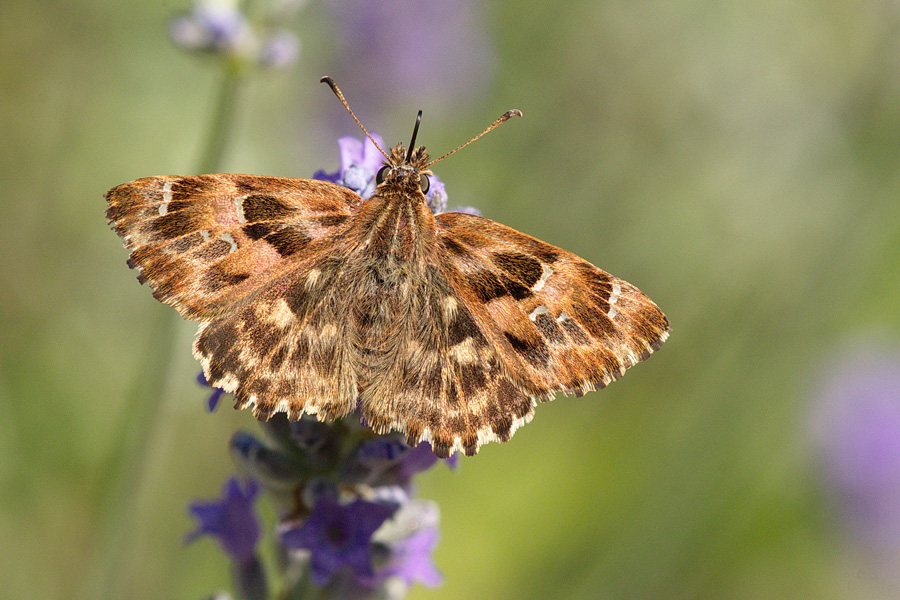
[221, 127]
[145, 437]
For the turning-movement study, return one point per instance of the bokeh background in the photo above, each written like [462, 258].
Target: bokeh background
[736, 161]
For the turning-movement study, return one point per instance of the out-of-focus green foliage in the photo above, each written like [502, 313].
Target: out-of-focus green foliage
[736, 161]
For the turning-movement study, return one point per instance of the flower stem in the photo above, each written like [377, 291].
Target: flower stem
[221, 127]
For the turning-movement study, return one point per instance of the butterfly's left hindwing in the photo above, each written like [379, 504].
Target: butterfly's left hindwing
[204, 242]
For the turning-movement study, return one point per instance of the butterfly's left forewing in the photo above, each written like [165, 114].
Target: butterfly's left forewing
[204, 242]
[557, 322]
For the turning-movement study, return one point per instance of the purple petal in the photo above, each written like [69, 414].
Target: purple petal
[338, 536]
[231, 520]
[351, 152]
[413, 559]
[321, 175]
[371, 157]
[418, 459]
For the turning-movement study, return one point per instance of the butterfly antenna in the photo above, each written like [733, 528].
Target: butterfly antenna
[503, 118]
[340, 96]
[412, 142]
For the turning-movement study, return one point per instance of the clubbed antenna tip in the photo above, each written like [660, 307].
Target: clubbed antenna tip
[500, 120]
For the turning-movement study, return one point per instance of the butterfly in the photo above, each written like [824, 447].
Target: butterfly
[448, 328]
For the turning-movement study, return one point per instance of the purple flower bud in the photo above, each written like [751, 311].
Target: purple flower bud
[276, 470]
[212, 402]
[318, 488]
[387, 461]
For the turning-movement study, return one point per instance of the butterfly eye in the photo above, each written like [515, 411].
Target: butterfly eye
[382, 173]
[424, 183]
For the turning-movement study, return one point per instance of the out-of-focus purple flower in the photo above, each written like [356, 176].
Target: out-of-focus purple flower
[220, 28]
[360, 161]
[280, 50]
[443, 47]
[214, 397]
[338, 536]
[412, 559]
[408, 541]
[211, 26]
[857, 418]
[231, 520]
[275, 470]
[421, 458]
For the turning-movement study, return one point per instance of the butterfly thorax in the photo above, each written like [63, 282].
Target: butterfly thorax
[395, 224]
[389, 267]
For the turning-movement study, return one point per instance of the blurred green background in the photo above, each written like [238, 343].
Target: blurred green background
[736, 161]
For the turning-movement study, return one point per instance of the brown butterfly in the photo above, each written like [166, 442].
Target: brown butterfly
[445, 327]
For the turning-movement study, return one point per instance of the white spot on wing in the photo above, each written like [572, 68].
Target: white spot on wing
[483, 436]
[230, 239]
[540, 310]
[280, 314]
[205, 234]
[464, 352]
[167, 197]
[613, 298]
[546, 272]
[562, 317]
[239, 208]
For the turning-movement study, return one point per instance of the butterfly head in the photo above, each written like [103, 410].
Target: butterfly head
[405, 174]
[407, 170]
